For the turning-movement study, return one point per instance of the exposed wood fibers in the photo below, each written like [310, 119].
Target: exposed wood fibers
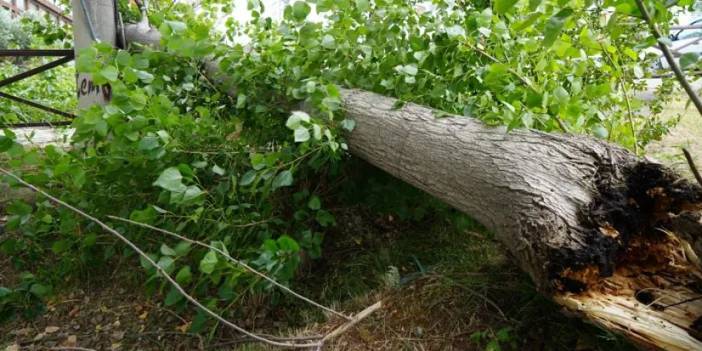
[654, 296]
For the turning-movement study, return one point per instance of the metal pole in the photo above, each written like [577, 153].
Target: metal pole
[35, 70]
[36, 52]
[36, 105]
[93, 18]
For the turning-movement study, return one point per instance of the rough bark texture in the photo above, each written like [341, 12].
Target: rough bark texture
[525, 186]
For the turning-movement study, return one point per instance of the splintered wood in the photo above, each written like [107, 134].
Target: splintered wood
[654, 296]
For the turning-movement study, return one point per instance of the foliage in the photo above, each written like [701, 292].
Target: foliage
[54, 88]
[25, 299]
[12, 34]
[493, 341]
[254, 176]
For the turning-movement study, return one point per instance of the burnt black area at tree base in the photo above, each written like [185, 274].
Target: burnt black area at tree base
[631, 203]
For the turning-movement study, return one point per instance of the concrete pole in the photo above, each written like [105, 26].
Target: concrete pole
[104, 29]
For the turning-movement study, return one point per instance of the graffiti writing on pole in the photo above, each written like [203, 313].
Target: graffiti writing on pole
[86, 87]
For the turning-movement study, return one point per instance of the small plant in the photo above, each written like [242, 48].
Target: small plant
[489, 340]
[23, 300]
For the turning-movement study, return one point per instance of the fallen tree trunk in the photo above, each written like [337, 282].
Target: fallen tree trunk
[609, 236]
[591, 223]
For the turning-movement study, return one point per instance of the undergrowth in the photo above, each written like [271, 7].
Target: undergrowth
[237, 164]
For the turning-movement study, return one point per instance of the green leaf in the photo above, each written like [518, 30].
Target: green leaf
[171, 180]
[300, 10]
[192, 192]
[208, 263]
[6, 142]
[363, 5]
[184, 276]
[314, 203]
[166, 263]
[145, 263]
[173, 297]
[287, 243]
[145, 77]
[455, 31]
[301, 134]
[688, 58]
[167, 250]
[148, 143]
[561, 95]
[247, 178]
[284, 178]
[527, 22]
[296, 119]
[176, 26]
[40, 290]
[218, 170]
[110, 73]
[182, 248]
[241, 101]
[60, 246]
[410, 69]
[325, 218]
[554, 26]
[503, 6]
[600, 131]
[328, 42]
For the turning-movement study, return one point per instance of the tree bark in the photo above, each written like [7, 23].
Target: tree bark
[525, 186]
[581, 216]
[607, 235]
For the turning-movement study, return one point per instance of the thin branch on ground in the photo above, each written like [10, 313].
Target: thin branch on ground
[238, 262]
[346, 326]
[679, 75]
[160, 270]
[693, 168]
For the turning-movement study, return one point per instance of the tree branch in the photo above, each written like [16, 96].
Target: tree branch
[679, 75]
[238, 262]
[693, 168]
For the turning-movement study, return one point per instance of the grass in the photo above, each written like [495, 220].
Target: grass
[687, 134]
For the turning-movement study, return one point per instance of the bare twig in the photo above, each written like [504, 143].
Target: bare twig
[693, 168]
[679, 75]
[159, 269]
[357, 318]
[238, 262]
